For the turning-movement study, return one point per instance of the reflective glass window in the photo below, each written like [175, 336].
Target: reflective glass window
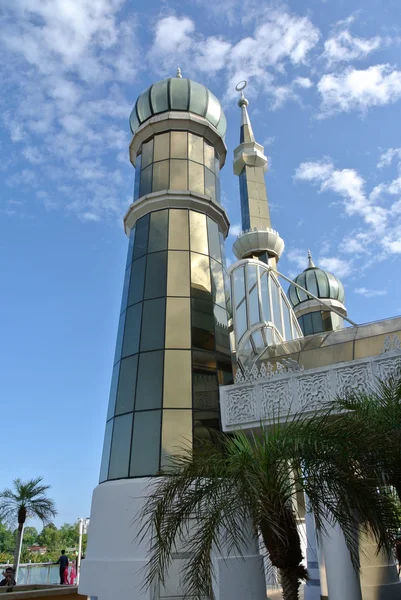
[203, 361]
[209, 156]
[158, 231]
[287, 322]
[145, 450]
[198, 230]
[137, 281]
[210, 184]
[150, 378]
[179, 144]
[161, 149]
[254, 317]
[147, 153]
[178, 234]
[178, 323]
[177, 389]
[178, 273]
[132, 330]
[225, 371]
[124, 298]
[198, 99]
[160, 176]
[206, 391]
[218, 193]
[159, 96]
[176, 434]
[239, 285]
[221, 329]
[206, 427]
[113, 391]
[120, 337]
[317, 323]
[306, 324]
[214, 240]
[120, 447]
[178, 174]
[264, 289]
[202, 324]
[217, 282]
[146, 181]
[196, 177]
[153, 319]
[126, 385]
[258, 340]
[104, 467]
[130, 247]
[276, 306]
[240, 320]
[141, 237]
[213, 109]
[137, 176]
[200, 275]
[179, 93]
[156, 275]
[143, 106]
[195, 148]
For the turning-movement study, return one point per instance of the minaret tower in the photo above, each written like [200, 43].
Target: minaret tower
[172, 349]
[258, 239]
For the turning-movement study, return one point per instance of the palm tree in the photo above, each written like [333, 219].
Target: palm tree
[27, 499]
[378, 414]
[256, 478]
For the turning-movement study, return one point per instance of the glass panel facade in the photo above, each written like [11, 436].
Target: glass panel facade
[120, 337]
[161, 147]
[178, 323]
[153, 319]
[192, 165]
[126, 385]
[161, 176]
[198, 231]
[202, 324]
[177, 389]
[113, 391]
[150, 381]
[178, 233]
[104, 467]
[214, 241]
[145, 450]
[156, 275]
[276, 306]
[120, 446]
[200, 275]
[179, 144]
[176, 433]
[195, 148]
[178, 174]
[178, 273]
[132, 330]
[219, 296]
[141, 237]
[137, 281]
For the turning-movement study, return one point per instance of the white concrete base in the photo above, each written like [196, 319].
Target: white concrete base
[115, 562]
[379, 576]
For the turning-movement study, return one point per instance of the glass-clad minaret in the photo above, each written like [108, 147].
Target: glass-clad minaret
[172, 348]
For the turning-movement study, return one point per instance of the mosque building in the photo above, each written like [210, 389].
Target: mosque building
[202, 348]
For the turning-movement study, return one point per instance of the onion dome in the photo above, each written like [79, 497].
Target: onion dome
[321, 284]
[178, 94]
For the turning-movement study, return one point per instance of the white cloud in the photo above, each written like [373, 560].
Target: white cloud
[355, 89]
[387, 157]
[369, 293]
[235, 229]
[212, 55]
[299, 257]
[343, 47]
[356, 244]
[172, 37]
[303, 82]
[338, 266]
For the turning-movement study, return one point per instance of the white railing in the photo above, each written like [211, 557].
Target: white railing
[37, 573]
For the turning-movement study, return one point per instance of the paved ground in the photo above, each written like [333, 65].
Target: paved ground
[276, 594]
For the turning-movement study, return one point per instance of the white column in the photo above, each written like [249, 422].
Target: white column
[379, 576]
[312, 587]
[342, 579]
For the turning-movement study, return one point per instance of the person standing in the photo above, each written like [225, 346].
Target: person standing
[8, 577]
[63, 562]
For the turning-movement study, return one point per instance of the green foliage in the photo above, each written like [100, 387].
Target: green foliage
[256, 479]
[50, 537]
[26, 499]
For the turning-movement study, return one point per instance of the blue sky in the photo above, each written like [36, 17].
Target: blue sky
[325, 99]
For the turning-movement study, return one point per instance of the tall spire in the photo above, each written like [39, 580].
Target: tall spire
[179, 74]
[250, 164]
[311, 264]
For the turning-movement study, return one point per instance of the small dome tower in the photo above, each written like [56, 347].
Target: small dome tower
[312, 316]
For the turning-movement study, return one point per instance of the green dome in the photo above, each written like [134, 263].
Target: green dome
[321, 283]
[177, 93]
